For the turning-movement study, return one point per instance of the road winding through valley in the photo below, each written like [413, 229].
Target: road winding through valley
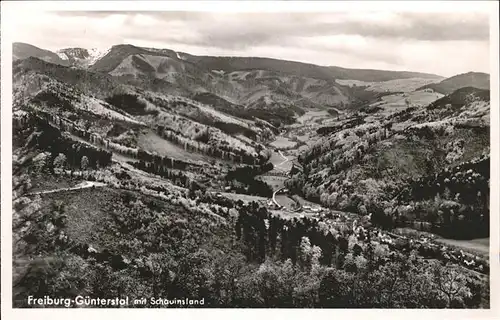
[285, 159]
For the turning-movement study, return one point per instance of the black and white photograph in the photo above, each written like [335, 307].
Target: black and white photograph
[328, 159]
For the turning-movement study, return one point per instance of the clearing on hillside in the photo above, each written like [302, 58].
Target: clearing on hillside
[151, 142]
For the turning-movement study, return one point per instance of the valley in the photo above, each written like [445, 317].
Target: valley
[252, 182]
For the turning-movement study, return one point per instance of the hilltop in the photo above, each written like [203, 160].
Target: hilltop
[23, 50]
[470, 79]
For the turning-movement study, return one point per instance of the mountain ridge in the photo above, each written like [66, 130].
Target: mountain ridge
[237, 63]
[22, 50]
[277, 91]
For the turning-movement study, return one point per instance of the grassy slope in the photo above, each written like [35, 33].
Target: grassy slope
[481, 246]
[152, 142]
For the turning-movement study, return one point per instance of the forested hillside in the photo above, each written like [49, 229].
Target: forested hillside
[424, 167]
[246, 182]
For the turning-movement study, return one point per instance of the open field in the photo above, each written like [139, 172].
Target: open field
[281, 161]
[290, 215]
[421, 98]
[276, 158]
[275, 182]
[50, 182]
[481, 246]
[310, 116]
[243, 197]
[305, 202]
[283, 143]
[153, 143]
[398, 85]
[285, 201]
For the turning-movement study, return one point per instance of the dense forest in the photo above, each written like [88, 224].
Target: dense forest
[432, 175]
[253, 260]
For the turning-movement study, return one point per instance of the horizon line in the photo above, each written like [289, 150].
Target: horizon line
[256, 57]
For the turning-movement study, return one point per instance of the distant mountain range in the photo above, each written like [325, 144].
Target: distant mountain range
[262, 84]
[108, 60]
[275, 90]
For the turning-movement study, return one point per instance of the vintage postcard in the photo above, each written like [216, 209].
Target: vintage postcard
[266, 155]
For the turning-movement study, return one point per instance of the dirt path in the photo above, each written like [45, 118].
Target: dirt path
[283, 156]
[274, 197]
[83, 185]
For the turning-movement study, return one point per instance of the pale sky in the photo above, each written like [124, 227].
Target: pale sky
[442, 43]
